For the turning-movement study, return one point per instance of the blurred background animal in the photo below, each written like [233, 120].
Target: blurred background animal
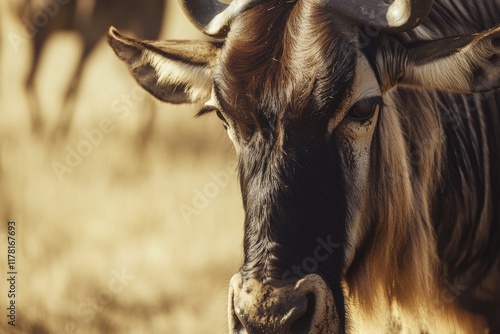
[113, 211]
[90, 20]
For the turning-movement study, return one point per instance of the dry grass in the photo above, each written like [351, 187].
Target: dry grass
[117, 213]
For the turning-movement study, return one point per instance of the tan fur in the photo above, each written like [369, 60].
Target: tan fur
[455, 72]
[198, 79]
[401, 261]
[356, 141]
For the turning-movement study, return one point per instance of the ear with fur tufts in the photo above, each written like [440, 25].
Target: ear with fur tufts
[465, 64]
[172, 71]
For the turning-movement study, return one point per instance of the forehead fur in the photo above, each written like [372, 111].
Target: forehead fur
[284, 63]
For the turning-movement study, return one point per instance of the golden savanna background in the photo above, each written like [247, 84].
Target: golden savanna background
[116, 232]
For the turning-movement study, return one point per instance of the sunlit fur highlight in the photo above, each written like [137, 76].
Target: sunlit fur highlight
[397, 259]
[455, 72]
[196, 79]
[294, 50]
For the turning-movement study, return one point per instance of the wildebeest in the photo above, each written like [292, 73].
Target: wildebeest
[367, 135]
[90, 19]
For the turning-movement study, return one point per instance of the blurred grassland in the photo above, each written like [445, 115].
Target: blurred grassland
[105, 248]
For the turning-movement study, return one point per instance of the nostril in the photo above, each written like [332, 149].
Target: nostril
[237, 316]
[303, 323]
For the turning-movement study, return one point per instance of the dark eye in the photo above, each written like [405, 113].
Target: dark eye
[207, 109]
[222, 118]
[363, 110]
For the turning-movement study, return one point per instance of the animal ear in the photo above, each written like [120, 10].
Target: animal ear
[465, 64]
[172, 71]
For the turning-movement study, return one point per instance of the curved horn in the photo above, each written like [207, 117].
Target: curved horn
[213, 16]
[389, 15]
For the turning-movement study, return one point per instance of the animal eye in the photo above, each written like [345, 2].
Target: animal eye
[363, 110]
[222, 118]
[207, 109]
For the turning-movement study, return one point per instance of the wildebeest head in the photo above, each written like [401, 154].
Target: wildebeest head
[330, 212]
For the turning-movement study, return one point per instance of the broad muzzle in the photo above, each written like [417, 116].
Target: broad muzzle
[303, 307]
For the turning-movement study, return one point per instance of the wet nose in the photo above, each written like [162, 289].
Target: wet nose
[303, 307]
